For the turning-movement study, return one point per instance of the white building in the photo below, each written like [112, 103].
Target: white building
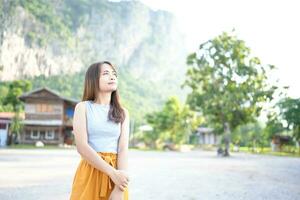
[207, 136]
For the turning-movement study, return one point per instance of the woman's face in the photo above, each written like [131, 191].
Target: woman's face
[108, 79]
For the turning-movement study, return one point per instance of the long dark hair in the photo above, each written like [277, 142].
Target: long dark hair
[91, 89]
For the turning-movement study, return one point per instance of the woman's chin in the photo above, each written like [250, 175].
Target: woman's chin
[113, 89]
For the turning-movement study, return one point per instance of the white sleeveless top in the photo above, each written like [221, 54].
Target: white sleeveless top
[103, 135]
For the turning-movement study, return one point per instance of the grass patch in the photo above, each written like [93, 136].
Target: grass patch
[145, 149]
[268, 151]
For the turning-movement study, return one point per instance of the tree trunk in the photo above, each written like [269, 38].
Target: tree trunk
[227, 139]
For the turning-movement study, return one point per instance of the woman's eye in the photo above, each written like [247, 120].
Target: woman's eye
[107, 73]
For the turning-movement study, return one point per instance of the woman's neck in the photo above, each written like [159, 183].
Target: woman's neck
[103, 98]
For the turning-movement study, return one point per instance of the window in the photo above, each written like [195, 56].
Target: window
[2, 126]
[49, 135]
[44, 108]
[42, 134]
[27, 135]
[35, 134]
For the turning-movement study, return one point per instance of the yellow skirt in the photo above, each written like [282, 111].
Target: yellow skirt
[91, 184]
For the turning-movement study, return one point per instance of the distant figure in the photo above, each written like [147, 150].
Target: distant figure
[101, 129]
[220, 152]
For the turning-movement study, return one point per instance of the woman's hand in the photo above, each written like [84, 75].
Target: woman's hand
[116, 194]
[120, 178]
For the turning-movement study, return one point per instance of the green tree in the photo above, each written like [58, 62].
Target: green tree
[16, 127]
[273, 126]
[15, 89]
[4, 91]
[290, 112]
[251, 135]
[9, 102]
[173, 123]
[228, 85]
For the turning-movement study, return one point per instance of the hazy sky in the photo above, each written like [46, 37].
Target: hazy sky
[270, 28]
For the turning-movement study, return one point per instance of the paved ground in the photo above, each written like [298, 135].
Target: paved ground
[197, 175]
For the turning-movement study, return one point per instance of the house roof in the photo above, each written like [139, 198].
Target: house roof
[25, 95]
[204, 129]
[10, 115]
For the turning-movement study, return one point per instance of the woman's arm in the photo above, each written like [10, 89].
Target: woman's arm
[83, 148]
[122, 161]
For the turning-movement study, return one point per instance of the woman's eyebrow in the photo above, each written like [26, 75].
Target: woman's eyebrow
[108, 71]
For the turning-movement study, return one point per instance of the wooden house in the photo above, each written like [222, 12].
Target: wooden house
[278, 141]
[48, 117]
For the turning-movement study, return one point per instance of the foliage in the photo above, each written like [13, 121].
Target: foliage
[12, 90]
[55, 26]
[174, 123]
[290, 112]
[228, 85]
[250, 135]
[16, 125]
[273, 126]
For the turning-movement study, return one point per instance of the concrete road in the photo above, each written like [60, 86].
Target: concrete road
[197, 175]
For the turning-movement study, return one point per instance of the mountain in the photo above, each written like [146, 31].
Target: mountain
[46, 41]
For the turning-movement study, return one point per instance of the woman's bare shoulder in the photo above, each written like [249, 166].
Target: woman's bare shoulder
[80, 105]
[126, 112]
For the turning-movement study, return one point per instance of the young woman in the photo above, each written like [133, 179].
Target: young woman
[101, 129]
